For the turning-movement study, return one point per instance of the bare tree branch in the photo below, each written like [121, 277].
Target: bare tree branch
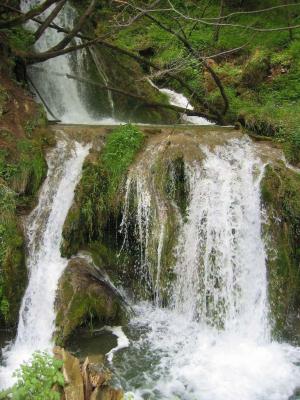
[25, 17]
[246, 27]
[192, 51]
[254, 11]
[144, 101]
[49, 19]
[67, 39]
[32, 58]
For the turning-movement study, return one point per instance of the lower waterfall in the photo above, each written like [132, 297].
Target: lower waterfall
[213, 342]
[45, 264]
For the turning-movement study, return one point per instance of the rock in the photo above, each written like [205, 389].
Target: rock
[94, 374]
[73, 389]
[84, 296]
[107, 393]
[280, 189]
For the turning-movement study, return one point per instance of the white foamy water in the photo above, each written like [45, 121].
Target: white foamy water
[122, 340]
[179, 100]
[63, 96]
[45, 264]
[214, 340]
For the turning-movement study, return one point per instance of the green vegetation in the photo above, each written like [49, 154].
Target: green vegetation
[83, 301]
[261, 75]
[20, 38]
[119, 152]
[40, 378]
[97, 194]
[12, 268]
[22, 170]
[280, 191]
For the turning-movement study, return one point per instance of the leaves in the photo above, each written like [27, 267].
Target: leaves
[37, 378]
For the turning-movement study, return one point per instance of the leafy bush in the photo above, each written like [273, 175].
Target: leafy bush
[38, 378]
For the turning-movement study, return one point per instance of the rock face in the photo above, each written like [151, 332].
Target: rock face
[85, 296]
[281, 197]
[90, 381]
[73, 389]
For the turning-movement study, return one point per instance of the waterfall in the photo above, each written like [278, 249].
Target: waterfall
[149, 216]
[221, 271]
[62, 95]
[213, 341]
[45, 264]
[101, 71]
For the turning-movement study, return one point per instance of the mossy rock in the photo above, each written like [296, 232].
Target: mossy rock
[85, 297]
[281, 197]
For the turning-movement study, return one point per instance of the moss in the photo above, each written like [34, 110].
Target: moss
[281, 195]
[20, 38]
[83, 299]
[12, 266]
[96, 197]
[256, 69]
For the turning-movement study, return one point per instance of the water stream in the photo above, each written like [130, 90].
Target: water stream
[45, 264]
[213, 342]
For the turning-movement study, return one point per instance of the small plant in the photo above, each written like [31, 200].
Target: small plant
[119, 152]
[20, 38]
[38, 378]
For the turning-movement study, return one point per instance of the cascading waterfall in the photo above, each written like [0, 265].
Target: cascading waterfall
[44, 231]
[221, 252]
[213, 341]
[150, 218]
[61, 94]
[101, 70]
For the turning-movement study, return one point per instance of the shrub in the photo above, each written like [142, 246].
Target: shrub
[38, 378]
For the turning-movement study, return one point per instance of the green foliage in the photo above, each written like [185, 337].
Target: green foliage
[11, 263]
[262, 79]
[37, 378]
[97, 193]
[119, 152]
[24, 171]
[280, 193]
[20, 38]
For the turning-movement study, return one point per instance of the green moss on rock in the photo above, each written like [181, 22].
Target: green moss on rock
[281, 196]
[84, 297]
[97, 195]
[13, 273]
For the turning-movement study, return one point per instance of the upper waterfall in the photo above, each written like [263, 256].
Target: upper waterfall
[64, 97]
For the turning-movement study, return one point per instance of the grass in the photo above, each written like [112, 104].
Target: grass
[262, 80]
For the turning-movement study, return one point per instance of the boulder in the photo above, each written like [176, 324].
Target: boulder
[84, 296]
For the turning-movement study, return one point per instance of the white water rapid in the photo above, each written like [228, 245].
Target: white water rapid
[214, 341]
[45, 264]
[179, 100]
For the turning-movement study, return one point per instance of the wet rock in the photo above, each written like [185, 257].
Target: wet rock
[107, 393]
[85, 296]
[280, 188]
[73, 389]
[94, 374]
